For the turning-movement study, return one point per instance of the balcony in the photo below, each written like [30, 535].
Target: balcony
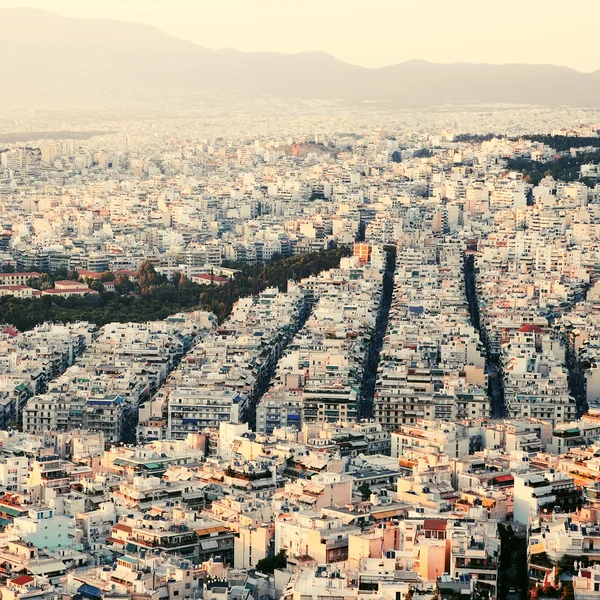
[476, 565]
[332, 544]
[166, 542]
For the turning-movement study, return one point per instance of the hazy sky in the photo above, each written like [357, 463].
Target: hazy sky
[371, 32]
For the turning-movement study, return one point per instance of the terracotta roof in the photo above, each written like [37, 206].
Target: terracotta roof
[86, 273]
[529, 328]
[504, 478]
[114, 540]
[208, 277]
[209, 530]
[23, 580]
[70, 291]
[435, 524]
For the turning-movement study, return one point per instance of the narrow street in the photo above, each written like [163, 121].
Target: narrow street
[495, 385]
[365, 410]
[267, 375]
[576, 378]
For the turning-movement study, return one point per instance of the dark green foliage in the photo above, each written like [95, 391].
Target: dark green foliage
[155, 297]
[124, 285]
[72, 275]
[566, 563]
[96, 285]
[107, 276]
[43, 282]
[365, 491]
[565, 168]
[567, 592]
[230, 472]
[270, 563]
[563, 143]
[476, 138]
[422, 153]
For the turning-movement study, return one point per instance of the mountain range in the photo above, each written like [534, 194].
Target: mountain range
[52, 61]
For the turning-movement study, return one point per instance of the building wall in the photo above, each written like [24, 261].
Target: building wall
[432, 559]
[252, 545]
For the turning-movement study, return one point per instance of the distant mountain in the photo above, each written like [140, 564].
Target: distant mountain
[52, 61]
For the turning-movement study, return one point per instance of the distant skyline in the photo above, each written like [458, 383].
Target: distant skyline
[373, 34]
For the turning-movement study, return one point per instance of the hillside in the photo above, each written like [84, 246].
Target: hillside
[62, 62]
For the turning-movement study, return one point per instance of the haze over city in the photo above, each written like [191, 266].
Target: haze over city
[380, 33]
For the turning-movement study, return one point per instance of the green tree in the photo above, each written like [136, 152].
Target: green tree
[107, 276]
[270, 563]
[365, 491]
[96, 285]
[422, 153]
[123, 285]
[567, 592]
[43, 282]
[162, 298]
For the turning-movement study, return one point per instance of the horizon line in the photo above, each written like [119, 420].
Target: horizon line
[297, 53]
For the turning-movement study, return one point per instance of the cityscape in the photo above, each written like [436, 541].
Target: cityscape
[294, 346]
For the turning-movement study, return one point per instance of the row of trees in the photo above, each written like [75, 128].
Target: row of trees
[563, 143]
[566, 168]
[154, 296]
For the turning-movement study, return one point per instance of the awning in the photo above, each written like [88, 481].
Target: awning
[9, 510]
[386, 514]
[210, 530]
[504, 479]
[209, 545]
[47, 566]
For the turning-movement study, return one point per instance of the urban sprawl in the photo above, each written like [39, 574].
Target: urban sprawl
[379, 379]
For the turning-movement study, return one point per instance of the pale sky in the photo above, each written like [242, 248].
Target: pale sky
[370, 32]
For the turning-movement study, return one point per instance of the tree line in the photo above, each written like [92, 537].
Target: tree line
[153, 296]
[565, 168]
[563, 143]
